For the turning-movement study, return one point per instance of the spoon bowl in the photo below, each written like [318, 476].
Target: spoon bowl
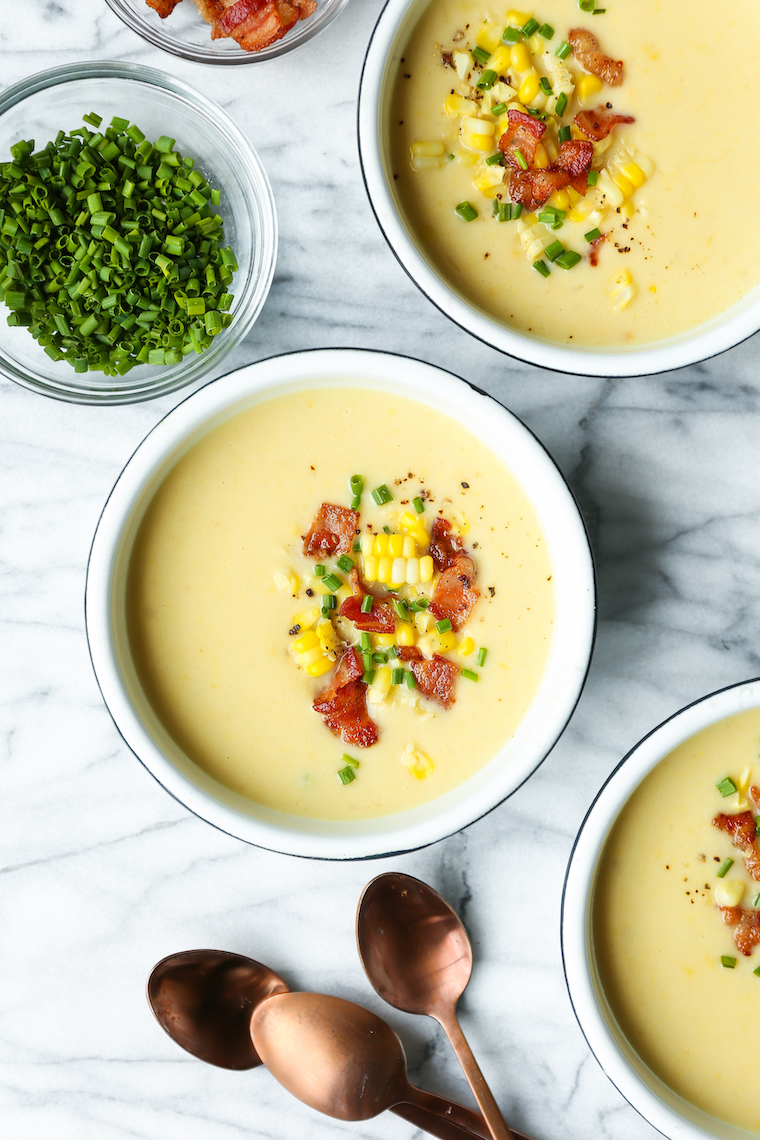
[204, 1000]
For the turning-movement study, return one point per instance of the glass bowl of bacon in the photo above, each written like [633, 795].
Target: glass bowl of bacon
[661, 920]
[227, 32]
[329, 676]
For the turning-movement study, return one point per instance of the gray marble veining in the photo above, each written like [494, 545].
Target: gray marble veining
[101, 873]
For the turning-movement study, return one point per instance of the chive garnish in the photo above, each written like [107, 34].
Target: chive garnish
[541, 267]
[554, 250]
[592, 235]
[546, 86]
[356, 483]
[481, 55]
[392, 652]
[521, 159]
[487, 80]
[349, 760]
[329, 602]
[568, 259]
[410, 680]
[727, 961]
[586, 5]
[379, 657]
[592, 177]
[401, 608]
[397, 676]
[511, 35]
[356, 502]
[495, 160]
[499, 109]
[345, 563]
[366, 642]
[515, 210]
[504, 212]
[563, 51]
[757, 971]
[530, 28]
[757, 901]
[482, 654]
[332, 582]
[725, 867]
[726, 786]
[357, 546]
[546, 31]
[467, 211]
[470, 674]
[561, 104]
[320, 570]
[599, 11]
[563, 134]
[419, 604]
[382, 495]
[367, 602]
[418, 504]
[443, 626]
[346, 775]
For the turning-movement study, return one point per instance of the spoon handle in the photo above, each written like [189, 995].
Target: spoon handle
[446, 1119]
[497, 1128]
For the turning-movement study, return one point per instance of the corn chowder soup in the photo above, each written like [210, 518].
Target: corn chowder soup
[340, 604]
[676, 920]
[565, 168]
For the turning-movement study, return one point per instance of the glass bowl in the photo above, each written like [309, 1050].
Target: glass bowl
[159, 104]
[185, 33]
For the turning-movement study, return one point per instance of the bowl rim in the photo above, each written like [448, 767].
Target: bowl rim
[694, 346]
[260, 203]
[204, 56]
[236, 390]
[577, 895]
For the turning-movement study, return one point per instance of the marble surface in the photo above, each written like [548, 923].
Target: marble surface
[103, 873]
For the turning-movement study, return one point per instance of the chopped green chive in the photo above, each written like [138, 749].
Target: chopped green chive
[512, 35]
[726, 786]
[541, 267]
[419, 604]
[329, 602]
[568, 259]
[495, 160]
[481, 55]
[356, 483]
[521, 159]
[392, 652]
[592, 177]
[368, 676]
[356, 502]
[586, 5]
[563, 134]
[346, 775]
[757, 971]
[366, 642]
[467, 211]
[599, 11]
[724, 868]
[418, 504]
[554, 250]
[487, 80]
[320, 570]
[379, 657]
[482, 654]
[757, 901]
[382, 495]
[499, 109]
[592, 235]
[93, 119]
[546, 86]
[470, 674]
[349, 760]
[345, 563]
[546, 31]
[357, 546]
[402, 610]
[530, 28]
[504, 212]
[443, 626]
[332, 582]
[727, 961]
[367, 602]
[561, 104]
[397, 676]
[386, 530]
[563, 51]
[410, 680]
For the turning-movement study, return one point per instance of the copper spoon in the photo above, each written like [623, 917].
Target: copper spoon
[345, 1061]
[417, 955]
[204, 1000]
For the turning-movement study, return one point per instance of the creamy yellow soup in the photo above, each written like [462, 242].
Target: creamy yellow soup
[678, 251]
[659, 937]
[217, 580]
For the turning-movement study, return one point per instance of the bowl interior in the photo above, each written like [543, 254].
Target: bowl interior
[185, 33]
[568, 548]
[159, 105]
[656, 1101]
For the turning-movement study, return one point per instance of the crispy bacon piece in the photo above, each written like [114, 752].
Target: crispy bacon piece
[436, 678]
[445, 546]
[523, 134]
[741, 827]
[585, 47]
[598, 123]
[332, 532]
[746, 924]
[163, 7]
[380, 618]
[409, 653]
[254, 24]
[453, 596]
[575, 158]
[532, 188]
[593, 253]
[343, 704]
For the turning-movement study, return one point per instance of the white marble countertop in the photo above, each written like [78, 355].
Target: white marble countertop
[103, 874]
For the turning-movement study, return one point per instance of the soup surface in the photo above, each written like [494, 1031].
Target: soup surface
[676, 252]
[220, 594]
[684, 995]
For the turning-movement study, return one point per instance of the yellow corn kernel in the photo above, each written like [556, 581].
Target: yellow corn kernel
[328, 639]
[370, 569]
[384, 639]
[367, 544]
[342, 594]
[587, 88]
[742, 788]
[320, 667]
[645, 165]
[307, 619]
[395, 545]
[518, 19]
[529, 87]
[560, 199]
[501, 58]
[381, 545]
[473, 126]
[477, 142]
[536, 44]
[466, 647]
[542, 158]
[427, 568]
[521, 58]
[381, 685]
[287, 580]
[611, 191]
[412, 571]
[425, 162]
[633, 173]
[398, 571]
[484, 185]
[429, 149]
[405, 634]
[305, 642]
[573, 195]
[489, 37]
[408, 521]
[417, 761]
[425, 621]
[624, 186]
[628, 209]
[311, 656]
[458, 105]
[384, 569]
[465, 158]
[618, 282]
[730, 892]
[442, 642]
[622, 289]
[420, 536]
[409, 547]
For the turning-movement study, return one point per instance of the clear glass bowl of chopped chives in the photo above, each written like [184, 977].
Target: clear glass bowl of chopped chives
[126, 258]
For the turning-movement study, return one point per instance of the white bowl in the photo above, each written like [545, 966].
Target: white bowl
[568, 549]
[380, 65]
[657, 1103]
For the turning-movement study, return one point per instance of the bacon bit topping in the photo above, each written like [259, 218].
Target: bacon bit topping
[742, 829]
[409, 653]
[534, 187]
[436, 679]
[523, 134]
[594, 246]
[453, 596]
[598, 123]
[585, 47]
[163, 7]
[575, 157]
[747, 926]
[332, 531]
[380, 618]
[254, 24]
[445, 546]
[343, 704]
